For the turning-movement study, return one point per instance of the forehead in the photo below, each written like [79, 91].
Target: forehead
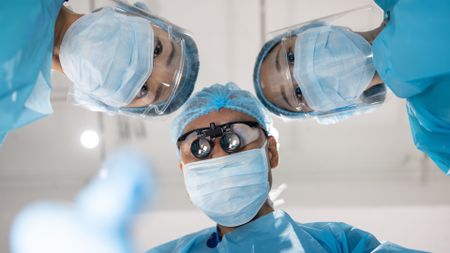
[158, 31]
[218, 117]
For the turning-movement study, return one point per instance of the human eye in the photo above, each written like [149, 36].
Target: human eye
[298, 93]
[143, 92]
[158, 49]
[291, 57]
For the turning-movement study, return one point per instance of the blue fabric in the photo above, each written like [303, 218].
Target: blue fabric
[216, 97]
[412, 56]
[26, 46]
[277, 232]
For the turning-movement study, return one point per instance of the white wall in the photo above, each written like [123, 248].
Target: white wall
[364, 171]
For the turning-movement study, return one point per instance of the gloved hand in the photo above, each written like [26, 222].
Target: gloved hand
[97, 221]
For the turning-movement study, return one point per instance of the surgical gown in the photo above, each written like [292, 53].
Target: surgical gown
[277, 232]
[26, 45]
[412, 56]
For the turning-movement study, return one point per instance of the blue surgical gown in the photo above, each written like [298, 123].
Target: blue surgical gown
[412, 56]
[277, 232]
[26, 45]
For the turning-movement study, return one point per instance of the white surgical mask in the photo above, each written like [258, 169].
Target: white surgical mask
[230, 189]
[108, 56]
[333, 66]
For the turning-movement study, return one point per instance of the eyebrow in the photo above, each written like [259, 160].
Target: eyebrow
[171, 55]
[277, 62]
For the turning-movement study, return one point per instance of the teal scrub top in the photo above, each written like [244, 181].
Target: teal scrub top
[277, 232]
[412, 56]
[26, 46]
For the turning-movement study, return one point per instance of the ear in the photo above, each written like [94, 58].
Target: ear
[272, 151]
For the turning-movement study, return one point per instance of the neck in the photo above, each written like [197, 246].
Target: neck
[265, 209]
[371, 35]
[65, 19]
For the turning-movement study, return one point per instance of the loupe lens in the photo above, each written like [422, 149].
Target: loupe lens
[201, 148]
[230, 142]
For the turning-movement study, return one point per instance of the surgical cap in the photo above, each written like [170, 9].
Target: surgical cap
[216, 97]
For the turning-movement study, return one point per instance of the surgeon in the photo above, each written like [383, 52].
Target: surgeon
[227, 151]
[121, 60]
[331, 73]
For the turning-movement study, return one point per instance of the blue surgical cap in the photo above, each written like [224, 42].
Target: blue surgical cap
[216, 97]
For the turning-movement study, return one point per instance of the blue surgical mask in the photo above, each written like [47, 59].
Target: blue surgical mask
[108, 56]
[230, 189]
[333, 66]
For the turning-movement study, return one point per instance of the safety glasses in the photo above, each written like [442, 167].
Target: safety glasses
[234, 136]
[168, 62]
[275, 83]
[285, 91]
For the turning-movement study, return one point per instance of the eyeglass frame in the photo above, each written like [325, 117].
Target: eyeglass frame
[218, 131]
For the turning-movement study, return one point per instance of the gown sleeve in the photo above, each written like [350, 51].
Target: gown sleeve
[340, 237]
[26, 46]
[412, 56]
[413, 49]
[429, 118]
[353, 239]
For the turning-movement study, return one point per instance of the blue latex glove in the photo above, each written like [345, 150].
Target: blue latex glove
[97, 221]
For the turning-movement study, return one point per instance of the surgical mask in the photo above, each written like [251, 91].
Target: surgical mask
[108, 56]
[333, 66]
[230, 189]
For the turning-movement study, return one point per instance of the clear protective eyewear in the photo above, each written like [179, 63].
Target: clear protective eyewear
[234, 136]
[282, 90]
[286, 86]
[173, 48]
[158, 91]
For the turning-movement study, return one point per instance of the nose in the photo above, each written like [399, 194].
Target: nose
[218, 150]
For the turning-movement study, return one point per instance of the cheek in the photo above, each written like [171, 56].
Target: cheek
[161, 74]
[271, 86]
